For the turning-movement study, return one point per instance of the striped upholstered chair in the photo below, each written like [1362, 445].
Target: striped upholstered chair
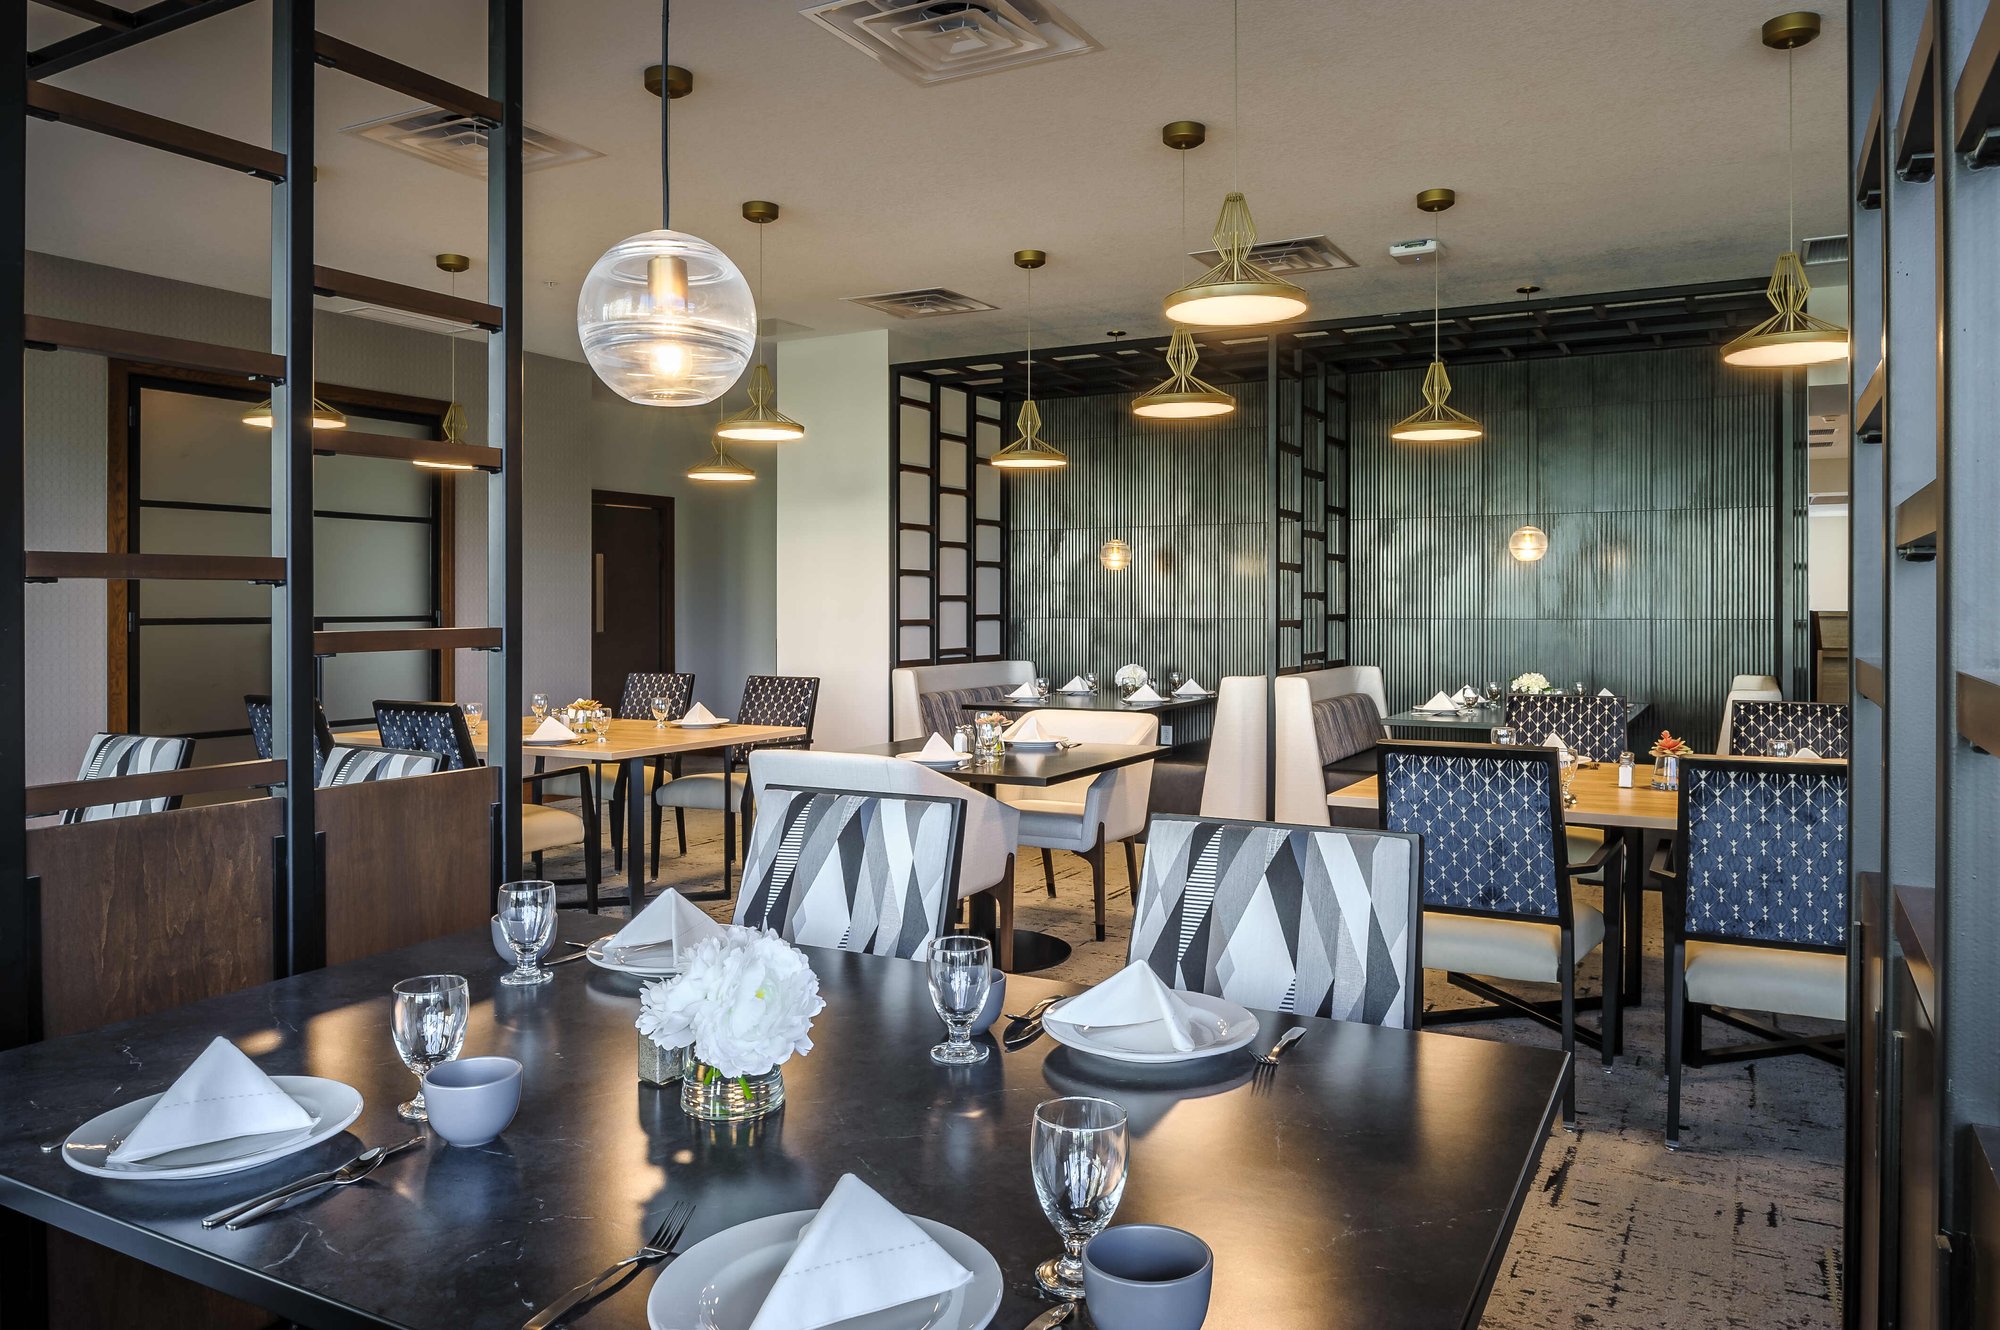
[1820, 726]
[1756, 915]
[860, 871]
[113, 755]
[1308, 920]
[355, 764]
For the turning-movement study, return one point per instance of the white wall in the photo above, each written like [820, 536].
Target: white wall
[1826, 561]
[833, 531]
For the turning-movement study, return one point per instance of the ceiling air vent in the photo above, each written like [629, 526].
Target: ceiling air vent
[1823, 249]
[459, 142]
[1289, 258]
[953, 39]
[930, 303]
[361, 309]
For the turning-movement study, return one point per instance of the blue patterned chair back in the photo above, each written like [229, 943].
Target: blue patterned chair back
[857, 871]
[641, 689]
[1592, 726]
[1491, 823]
[777, 699]
[258, 707]
[1820, 726]
[355, 764]
[945, 710]
[1763, 851]
[111, 755]
[427, 727]
[1307, 920]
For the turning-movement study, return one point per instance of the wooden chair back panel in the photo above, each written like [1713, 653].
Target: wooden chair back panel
[406, 860]
[153, 911]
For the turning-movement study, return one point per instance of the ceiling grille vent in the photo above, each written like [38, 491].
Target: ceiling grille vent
[402, 318]
[458, 142]
[1823, 249]
[930, 303]
[1288, 258]
[939, 40]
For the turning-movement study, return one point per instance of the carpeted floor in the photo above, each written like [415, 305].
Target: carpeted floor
[1741, 1227]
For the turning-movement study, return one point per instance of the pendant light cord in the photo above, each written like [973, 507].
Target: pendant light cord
[666, 119]
[452, 338]
[1437, 301]
[760, 292]
[1031, 332]
[1236, 94]
[1791, 197]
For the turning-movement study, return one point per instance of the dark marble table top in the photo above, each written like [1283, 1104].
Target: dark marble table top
[1105, 699]
[1372, 1181]
[1019, 766]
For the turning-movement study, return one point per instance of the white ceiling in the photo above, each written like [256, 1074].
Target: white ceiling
[1595, 145]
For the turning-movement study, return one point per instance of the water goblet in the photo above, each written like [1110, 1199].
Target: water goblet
[1175, 679]
[472, 717]
[1578, 685]
[539, 705]
[1493, 691]
[1076, 1150]
[961, 974]
[1782, 748]
[527, 917]
[600, 724]
[1567, 764]
[1041, 686]
[660, 710]
[428, 1025]
[1090, 679]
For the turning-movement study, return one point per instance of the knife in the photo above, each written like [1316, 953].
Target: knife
[1052, 1318]
[300, 1184]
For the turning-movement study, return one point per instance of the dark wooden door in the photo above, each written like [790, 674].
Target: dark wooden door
[631, 589]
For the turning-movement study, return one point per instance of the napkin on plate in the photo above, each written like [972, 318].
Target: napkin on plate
[1555, 741]
[1439, 702]
[858, 1255]
[1145, 692]
[552, 731]
[1132, 998]
[1606, 692]
[1027, 730]
[1026, 692]
[936, 749]
[699, 715]
[1805, 752]
[1190, 689]
[670, 918]
[1076, 685]
[220, 1097]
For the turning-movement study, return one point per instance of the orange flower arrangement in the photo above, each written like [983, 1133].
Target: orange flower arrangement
[1668, 746]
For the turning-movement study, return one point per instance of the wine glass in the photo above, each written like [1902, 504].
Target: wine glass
[428, 1025]
[1077, 1152]
[527, 917]
[1493, 691]
[961, 974]
[1041, 686]
[660, 710]
[1090, 679]
[1566, 762]
[539, 704]
[472, 717]
[600, 724]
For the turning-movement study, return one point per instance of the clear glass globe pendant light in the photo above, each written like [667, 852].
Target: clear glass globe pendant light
[665, 318]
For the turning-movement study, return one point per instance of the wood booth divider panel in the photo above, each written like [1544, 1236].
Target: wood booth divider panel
[406, 860]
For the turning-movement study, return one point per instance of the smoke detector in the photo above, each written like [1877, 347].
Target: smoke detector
[939, 40]
[1413, 251]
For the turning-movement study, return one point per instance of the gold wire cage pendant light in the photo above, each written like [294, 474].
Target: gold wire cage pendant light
[761, 421]
[722, 469]
[1030, 451]
[1182, 396]
[1237, 292]
[323, 416]
[1437, 421]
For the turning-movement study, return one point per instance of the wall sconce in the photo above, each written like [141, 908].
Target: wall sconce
[1528, 543]
[1116, 555]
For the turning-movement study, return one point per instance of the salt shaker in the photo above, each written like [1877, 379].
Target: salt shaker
[1624, 771]
[961, 739]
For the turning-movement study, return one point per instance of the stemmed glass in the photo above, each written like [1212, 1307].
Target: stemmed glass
[600, 724]
[471, 710]
[428, 1025]
[539, 704]
[1077, 1152]
[961, 974]
[1567, 763]
[660, 710]
[527, 917]
[1493, 691]
[1090, 678]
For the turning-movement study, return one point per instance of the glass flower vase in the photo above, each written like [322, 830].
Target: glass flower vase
[1666, 773]
[709, 1095]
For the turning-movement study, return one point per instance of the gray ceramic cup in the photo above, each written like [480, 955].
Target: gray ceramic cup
[1147, 1277]
[473, 1099]
[507, 952]
[996, 1002]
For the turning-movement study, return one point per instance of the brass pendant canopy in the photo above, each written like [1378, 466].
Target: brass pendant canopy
[1030, 451]
[1182, 396]
[1237, 292]
[679, 82]
[1436, 421]
[1791, 336]
[761, 421]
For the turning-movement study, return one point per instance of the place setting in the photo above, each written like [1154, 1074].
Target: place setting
[651, 944]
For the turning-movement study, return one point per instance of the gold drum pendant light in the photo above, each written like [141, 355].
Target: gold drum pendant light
[761, 421]
[1437, 421]
[1790, 336]
[1030, 451]
[1237, 292]
[1183, 396]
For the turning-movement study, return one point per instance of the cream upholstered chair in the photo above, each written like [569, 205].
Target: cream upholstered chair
[1084, 816]
[1745, 688]
[991, 828]
[1300, 796]
[908, 685]
[1234, 784]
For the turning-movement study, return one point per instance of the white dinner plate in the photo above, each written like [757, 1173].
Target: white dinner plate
[331, 1105]
[715, 724]
[653, 963]
[1220, 1026]
[955, 760]
[1034, 745]
[721, 1281]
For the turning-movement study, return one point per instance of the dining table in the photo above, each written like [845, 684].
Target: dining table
[634, 744]
[1170, 706]
[1372, 1178]
[1479, 716]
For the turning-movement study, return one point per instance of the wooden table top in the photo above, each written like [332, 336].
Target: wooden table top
[626, 740]
[1599, 801]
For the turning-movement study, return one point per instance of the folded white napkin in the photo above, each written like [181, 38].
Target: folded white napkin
[670, 918]
[1606, 692]
[698, 715]
[1135, 1000]
[1805, 752]
[551, 731]
[1439, 702]
[1145, 692]
[1076, 685]
[1190, 689]
[858, 1255]
[936, 749]
[1028, 730]
[1025, 692]
[1555, 741]
[220, 1097]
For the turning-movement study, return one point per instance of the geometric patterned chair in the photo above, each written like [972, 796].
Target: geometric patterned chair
[768, 699]
[439, 728]
[1820, 726]
[258, 707]
[1744, 688]
[1592, 726]
[1497, 899]
[1306, 920]
[637, 704]
[112, 755]
[354, 764]
[873, 873]
[1756, 915]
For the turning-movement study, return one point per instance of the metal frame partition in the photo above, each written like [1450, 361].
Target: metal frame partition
[298, 50]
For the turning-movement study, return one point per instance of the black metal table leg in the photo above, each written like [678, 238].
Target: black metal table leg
[1635, 917]
[635, 832]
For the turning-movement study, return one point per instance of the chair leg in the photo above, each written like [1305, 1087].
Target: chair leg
[657, 810]
[618, 822]
[537, 858]
[1132, 872]
[681, 830]
[1095, 856]
[1049, 871]
[1676, 1032]
[1568, 977]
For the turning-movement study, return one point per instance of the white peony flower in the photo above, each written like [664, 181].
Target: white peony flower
[1129, 676]
[744, 1003]
[1531, 682]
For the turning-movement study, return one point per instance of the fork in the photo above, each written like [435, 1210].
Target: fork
[659, 1247]
[1285, 1041]
[354, 1170]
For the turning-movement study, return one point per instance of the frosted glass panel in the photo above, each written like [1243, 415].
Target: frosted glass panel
[351, 684]
[198, 450]
[951, 411]
[373, 567]
[186, 531]
[192, 679]
[916, 548]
